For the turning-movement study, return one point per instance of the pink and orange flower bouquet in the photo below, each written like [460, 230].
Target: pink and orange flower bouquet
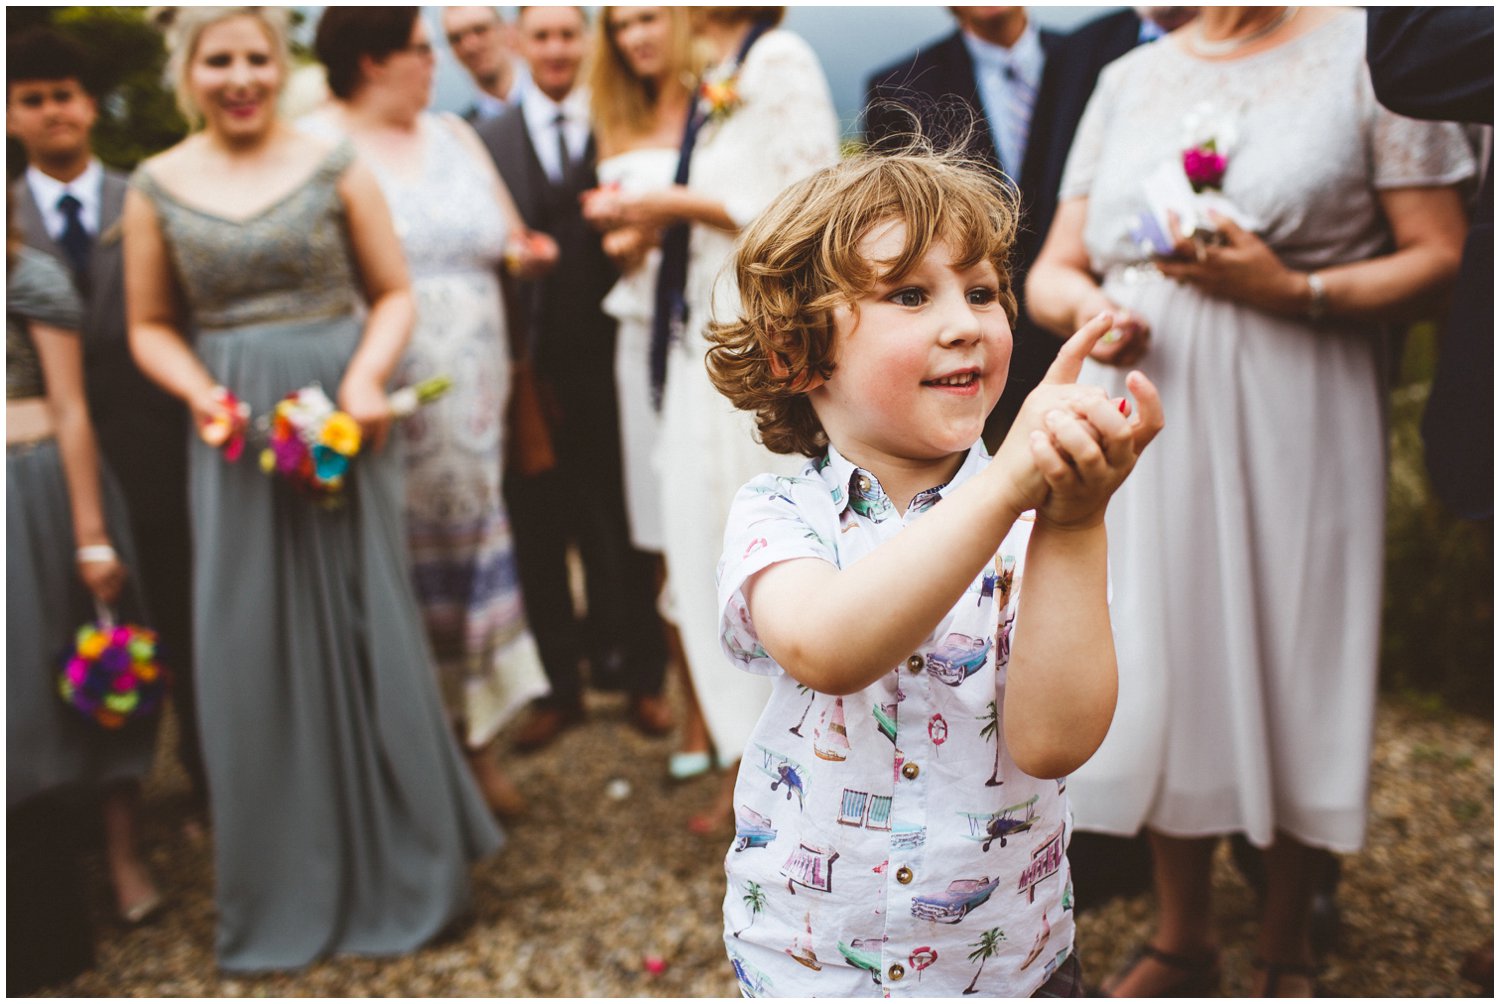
[113, 674]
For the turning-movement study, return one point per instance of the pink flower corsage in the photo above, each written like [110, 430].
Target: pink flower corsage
[1204, 166]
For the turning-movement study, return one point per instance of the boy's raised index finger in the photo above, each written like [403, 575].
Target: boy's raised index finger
[1069, 362]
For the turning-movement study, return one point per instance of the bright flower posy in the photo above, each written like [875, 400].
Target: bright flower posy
[311, 444]
[112, 674]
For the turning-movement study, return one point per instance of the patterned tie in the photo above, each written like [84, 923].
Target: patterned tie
[1020, 96]
[75, 240]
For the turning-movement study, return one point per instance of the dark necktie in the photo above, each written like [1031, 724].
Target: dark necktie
[75, 240]
[671, 278]
[564, 160]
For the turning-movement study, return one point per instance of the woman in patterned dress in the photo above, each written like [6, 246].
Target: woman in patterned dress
[455, 220]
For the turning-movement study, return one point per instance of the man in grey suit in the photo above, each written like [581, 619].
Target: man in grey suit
[544, 150]
[68, 205]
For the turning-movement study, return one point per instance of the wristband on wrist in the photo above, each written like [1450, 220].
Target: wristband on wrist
[1317, 305]
[97, 552]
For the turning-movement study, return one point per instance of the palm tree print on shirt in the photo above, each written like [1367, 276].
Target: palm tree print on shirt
[991, 730]
[755, 899]
[986, 948]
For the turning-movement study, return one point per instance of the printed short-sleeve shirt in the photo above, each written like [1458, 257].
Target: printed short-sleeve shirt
[885, 842]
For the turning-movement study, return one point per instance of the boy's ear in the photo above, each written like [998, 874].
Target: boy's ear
[780, 369]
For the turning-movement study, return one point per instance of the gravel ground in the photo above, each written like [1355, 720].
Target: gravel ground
[603, 875]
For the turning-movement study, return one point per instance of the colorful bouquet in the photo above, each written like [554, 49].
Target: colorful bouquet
[311, 443]
[113, 674]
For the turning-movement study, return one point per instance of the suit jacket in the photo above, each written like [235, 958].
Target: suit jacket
[133, 417]
[567, 330]
[1438, 63]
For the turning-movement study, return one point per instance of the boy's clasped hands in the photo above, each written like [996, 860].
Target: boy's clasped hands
[1071, 445]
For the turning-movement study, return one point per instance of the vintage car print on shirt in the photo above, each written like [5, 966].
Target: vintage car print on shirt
[958, 658]
[954, 904]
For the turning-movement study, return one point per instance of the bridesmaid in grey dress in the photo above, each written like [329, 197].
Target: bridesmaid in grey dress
[66, 547]
[344, 820]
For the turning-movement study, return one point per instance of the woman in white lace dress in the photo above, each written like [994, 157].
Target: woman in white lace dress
[1245, 554]
[453, 216]
[769, 120]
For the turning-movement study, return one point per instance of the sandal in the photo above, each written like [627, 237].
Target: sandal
[1276, 970]
[1199, 974]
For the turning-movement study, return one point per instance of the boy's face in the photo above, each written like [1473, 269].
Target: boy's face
[50, 118]
[919, 366]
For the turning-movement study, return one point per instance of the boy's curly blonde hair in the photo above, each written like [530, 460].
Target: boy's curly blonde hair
[800, 260]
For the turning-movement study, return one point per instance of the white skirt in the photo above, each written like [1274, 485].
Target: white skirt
[1246, 558]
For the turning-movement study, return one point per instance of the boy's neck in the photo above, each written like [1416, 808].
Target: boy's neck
[65, 170]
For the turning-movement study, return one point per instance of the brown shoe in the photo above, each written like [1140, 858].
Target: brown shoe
[650, 714]
[546, 722]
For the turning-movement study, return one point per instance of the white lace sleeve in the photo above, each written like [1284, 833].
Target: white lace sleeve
[1406, 153]
[789, 128]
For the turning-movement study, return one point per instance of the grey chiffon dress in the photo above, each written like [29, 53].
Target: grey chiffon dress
[48, 745]
[344, 818]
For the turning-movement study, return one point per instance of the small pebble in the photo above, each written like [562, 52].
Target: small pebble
[618, 789]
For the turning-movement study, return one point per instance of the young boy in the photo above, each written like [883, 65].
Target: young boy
[899, 828]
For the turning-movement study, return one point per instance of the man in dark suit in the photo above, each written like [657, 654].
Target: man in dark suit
[68, 205]
[545, 152]
[981, 77]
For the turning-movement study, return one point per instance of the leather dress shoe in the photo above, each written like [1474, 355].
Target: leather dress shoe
[545, 724]
[651, 714]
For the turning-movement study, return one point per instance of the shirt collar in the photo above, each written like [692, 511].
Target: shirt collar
[850, 485]
[541, 111]
[1027, 55]
[86, 188]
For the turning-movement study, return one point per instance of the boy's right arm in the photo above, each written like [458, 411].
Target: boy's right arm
[838, 630]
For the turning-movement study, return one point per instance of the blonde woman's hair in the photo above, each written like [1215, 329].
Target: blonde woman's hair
[622, 104]
[182, 27]
[800, 261]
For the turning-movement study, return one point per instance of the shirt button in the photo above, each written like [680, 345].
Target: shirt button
[896, 971]
[903, 875]
[914, 664]
[910, 771]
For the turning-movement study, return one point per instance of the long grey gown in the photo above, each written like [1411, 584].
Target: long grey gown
[47, 744]
[344, 818]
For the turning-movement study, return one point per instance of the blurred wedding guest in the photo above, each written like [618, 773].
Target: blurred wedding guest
[68, 205]
[764, 119]
[67, 553]
[641, 88]
[453, 215]
[344, 819]
[544, 149]
[1247, 678]
[1439, 63]
[485, 45]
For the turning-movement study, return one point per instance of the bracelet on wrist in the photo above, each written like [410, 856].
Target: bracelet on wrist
[1317, 304]
[96, 552]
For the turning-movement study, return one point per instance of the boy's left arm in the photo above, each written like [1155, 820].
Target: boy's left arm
[1061, 682]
